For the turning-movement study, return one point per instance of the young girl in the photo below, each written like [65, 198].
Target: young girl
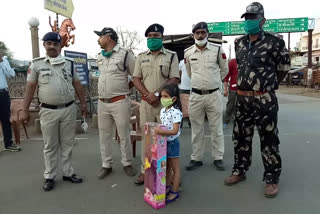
[171, 117]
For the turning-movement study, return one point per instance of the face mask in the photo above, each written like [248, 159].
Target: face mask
[106, 54]
[252, 26]
[154, 43]
[201, 42]
[56, 60]
[166, 102]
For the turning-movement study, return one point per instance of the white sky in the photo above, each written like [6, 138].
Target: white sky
[177, 17]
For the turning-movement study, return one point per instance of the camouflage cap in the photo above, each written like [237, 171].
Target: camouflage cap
[254, 8]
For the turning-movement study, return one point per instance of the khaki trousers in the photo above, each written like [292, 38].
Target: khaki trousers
[111, 115]
[199, 106]
[58, 128]
[148, 113]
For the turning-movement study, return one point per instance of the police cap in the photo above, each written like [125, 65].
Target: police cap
[200, 25]
[254, 8]
[154, 28]
[108, 31]
[52, 36]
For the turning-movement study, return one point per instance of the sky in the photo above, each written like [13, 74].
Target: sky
[177, 17]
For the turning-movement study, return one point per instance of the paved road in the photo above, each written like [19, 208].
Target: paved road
[203, 189]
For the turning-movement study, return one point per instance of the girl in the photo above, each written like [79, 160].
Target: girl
[171, 117]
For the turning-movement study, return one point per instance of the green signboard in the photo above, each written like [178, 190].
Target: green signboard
[273, 25]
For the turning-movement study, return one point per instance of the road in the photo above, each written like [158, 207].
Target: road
[203, 190]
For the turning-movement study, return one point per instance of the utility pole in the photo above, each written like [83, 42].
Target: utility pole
[34, 23]
[310, 30]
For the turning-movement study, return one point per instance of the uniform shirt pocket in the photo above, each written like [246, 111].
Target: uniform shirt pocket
[44, 76]
[194, 64]
[146, 67]
[165, 69]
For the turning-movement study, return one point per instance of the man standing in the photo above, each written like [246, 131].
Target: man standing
[115, 64]
[57, 83]
[231, 80]
[185, 88]
[6, 72]
[154, 68]
[207, 66]
[263, 62]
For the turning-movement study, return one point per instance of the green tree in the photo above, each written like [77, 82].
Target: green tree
[4, 50]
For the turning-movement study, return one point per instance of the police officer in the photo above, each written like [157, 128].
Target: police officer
[154, 68]
[206, 65]
[263, 62]
[115, 64]
[57, 83]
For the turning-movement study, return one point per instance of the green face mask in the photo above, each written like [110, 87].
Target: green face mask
[106, 54]
[166, 102]
[252, 26]
[154, 43]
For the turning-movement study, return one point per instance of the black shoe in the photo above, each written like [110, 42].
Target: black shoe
[73, 179]
[194, 165]
[219, 165]
[12, 148]
[48, 185]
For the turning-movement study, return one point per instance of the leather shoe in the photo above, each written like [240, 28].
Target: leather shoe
[130, 171]
[104, 172]
[73, 179]
[219, 165]
[194, 165]
[48, 185]
[140, 180]
[271, 190]
[234, 179]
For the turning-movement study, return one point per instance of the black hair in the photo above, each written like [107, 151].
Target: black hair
[173, 91]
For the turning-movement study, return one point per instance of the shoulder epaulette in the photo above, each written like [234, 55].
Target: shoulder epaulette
[189, 48]
[239, 38]
[38, 58]
[170, 51]
[69, 59]
[277, 35]
[143, 52]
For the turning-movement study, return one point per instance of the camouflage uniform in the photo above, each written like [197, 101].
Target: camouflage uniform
[262, 65]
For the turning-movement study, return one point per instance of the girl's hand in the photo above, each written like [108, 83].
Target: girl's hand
[157, 130]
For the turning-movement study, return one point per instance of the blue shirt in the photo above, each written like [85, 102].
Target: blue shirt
[5, 72]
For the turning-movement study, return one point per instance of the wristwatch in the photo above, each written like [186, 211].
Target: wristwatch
[157, 94]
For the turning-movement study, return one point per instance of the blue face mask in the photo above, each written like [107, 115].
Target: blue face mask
[252, 26]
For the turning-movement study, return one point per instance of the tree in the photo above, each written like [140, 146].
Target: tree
[4, 50]
[129, 39]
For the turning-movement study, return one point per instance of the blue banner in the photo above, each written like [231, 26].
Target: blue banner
[80, 65]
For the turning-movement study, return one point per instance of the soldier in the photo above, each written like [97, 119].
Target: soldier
[115, 64]
[207, 66]
[154, 69]
[263, 62]
[6, 72]
[57, 83]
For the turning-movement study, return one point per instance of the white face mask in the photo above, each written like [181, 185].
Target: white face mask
[56, 60]
[201, 42]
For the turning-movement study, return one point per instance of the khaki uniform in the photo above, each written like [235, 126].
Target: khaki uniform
[113, 82]
[206, 69]
[57, 125]
[154, 71]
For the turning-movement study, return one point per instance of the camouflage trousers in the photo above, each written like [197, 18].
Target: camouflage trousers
[262, 112]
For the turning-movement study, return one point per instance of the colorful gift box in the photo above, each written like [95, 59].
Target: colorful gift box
[155, 167]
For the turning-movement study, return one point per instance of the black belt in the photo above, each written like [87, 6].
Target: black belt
[202, 92]
[44, 105]
[4, 90]
[182, 91]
